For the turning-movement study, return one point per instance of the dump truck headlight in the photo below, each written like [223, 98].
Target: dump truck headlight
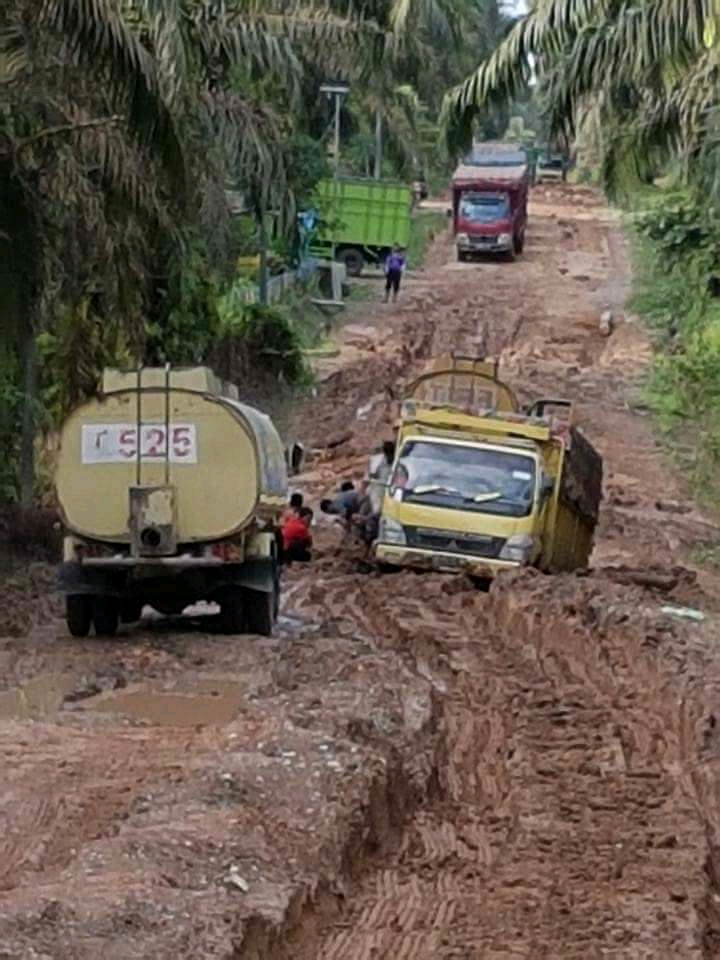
[391, 531]
[505, 239]
[518, 549]
[462, 239]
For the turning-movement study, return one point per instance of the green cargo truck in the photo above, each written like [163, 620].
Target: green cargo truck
[362, 219]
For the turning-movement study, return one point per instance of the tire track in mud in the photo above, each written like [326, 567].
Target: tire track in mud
[568, 825]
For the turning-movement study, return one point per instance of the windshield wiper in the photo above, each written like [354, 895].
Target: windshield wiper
[435, 488]
[484, 497]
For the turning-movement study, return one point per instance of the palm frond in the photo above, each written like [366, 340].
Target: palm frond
[595, 44]
[97, 37]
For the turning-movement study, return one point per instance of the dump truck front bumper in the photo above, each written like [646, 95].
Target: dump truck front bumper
[418, 559]
[473, 243]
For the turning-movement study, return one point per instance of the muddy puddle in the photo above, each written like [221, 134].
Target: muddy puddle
[40, 697]
[209, 703]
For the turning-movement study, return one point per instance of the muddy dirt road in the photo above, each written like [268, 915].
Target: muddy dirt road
[410, 769]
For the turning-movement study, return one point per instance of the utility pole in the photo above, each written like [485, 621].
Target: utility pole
[263, 278]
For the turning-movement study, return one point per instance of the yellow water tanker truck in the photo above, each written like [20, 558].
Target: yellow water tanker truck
[479, 485]
[171, 493]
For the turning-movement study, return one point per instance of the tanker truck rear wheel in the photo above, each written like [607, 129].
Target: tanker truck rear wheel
[78, 615]
[232, 613]
[260, 611]
[106, 616]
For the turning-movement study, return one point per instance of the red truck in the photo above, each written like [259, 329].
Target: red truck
[489, 200]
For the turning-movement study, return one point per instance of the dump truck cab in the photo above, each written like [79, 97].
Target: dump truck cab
[170, 492]
[480, 486]
[489, 201]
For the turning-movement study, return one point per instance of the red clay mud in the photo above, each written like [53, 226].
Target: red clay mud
[411, 769]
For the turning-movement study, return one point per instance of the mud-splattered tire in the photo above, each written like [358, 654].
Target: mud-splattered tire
[232, 613]
[353, 259]
[260, 606]
[106, 616]
[462, 256]
[78, 615]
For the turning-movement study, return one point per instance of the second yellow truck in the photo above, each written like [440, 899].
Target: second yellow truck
[480, 485]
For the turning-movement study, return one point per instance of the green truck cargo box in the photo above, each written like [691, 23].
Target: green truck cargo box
[362, 218]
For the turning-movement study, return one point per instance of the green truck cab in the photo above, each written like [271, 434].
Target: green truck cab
[361, 219]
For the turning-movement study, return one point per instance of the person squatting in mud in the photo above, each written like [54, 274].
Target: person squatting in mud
[296, 536]
[354, 508]
[360, 509]
[394, 268]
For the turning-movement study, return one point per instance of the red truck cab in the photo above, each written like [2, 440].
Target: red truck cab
[489, 197]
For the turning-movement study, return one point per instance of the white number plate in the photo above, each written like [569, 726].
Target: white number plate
[117, 442]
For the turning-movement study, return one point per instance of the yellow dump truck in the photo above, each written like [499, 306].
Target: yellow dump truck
[170, 492]
[478, 485]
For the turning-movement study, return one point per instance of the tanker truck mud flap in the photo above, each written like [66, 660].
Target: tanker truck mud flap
[249, 597]
[78, 579]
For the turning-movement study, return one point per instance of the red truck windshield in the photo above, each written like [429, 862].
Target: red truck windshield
[484, 207]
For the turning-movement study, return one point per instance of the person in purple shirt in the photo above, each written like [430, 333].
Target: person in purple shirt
[394, 267]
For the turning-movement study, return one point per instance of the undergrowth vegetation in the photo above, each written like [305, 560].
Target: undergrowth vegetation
[677, 291]
[427, 225]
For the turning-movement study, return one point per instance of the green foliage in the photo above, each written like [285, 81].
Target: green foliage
[186, 330]
[254, 337]
[677, 259]
[307, 165]
[10, 405]
[427, 225]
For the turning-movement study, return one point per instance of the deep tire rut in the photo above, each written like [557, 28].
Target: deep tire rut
[567, 825]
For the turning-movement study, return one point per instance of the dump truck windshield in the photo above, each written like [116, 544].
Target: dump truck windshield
[484, 207]
[464, 477]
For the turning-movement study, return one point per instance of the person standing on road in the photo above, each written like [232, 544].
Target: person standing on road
[379, 470]
[394, 268]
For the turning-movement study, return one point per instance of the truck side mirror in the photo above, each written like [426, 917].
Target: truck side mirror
[548, 486]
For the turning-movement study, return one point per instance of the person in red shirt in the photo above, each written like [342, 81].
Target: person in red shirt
[297, 539]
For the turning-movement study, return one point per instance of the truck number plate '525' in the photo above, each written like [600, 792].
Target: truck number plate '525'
[117, 442]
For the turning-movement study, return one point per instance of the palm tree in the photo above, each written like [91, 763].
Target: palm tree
[50, 122]
[121, 123]
[647, 71]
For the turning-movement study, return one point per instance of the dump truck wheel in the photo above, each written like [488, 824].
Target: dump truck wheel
[232, 613]
[260, 611]
[353, 260]
[78, 615]
[106, 617]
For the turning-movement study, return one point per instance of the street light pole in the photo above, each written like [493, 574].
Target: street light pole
[337, 134]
